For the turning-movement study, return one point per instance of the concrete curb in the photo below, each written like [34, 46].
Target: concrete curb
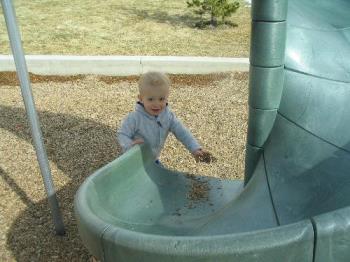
[125, 65]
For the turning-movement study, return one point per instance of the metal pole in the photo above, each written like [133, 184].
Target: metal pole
[22, 74]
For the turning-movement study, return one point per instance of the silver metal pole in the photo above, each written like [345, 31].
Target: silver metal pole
[22, 74]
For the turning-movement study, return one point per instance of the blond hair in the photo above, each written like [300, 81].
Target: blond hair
[154, 79]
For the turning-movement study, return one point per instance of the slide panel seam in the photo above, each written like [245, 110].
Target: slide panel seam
[269, 188]
[314, 227]
[315, 76]
[324, 140]
[102, 243]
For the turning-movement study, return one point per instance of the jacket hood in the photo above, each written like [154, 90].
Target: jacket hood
[141, 109]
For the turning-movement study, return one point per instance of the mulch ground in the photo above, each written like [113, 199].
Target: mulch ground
[79, 116]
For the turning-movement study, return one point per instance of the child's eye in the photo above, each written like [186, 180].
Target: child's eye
[162, 99]
[150, 99]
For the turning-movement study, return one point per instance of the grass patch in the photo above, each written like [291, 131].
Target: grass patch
[125, 27]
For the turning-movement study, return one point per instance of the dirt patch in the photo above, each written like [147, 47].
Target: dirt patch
[11, 79]
[198, 191]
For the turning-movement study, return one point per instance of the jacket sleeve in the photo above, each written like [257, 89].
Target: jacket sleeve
[183, 134]
[126, 132]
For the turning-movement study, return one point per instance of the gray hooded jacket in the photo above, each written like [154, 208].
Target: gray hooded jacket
[154, 130]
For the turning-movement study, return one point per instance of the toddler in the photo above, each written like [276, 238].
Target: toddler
[152, 120]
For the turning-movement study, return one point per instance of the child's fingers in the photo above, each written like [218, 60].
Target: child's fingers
[207, 157]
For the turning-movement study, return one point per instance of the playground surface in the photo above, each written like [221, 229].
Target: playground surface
[79, 116]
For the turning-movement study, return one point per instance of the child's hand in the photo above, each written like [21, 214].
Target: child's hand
[203, 156]
[137, 141]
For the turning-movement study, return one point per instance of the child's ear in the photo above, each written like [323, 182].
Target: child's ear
[139, 97]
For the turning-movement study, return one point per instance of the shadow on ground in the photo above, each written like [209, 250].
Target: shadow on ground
[78, 147]
[184, 20]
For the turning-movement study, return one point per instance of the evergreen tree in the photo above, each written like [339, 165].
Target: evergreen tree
[215, 8]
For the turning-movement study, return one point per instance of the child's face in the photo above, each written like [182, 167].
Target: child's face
[154, 100]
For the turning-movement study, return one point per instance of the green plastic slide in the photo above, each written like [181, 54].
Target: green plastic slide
[294, 202]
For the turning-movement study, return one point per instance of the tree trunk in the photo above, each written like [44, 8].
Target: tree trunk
[213, 21]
